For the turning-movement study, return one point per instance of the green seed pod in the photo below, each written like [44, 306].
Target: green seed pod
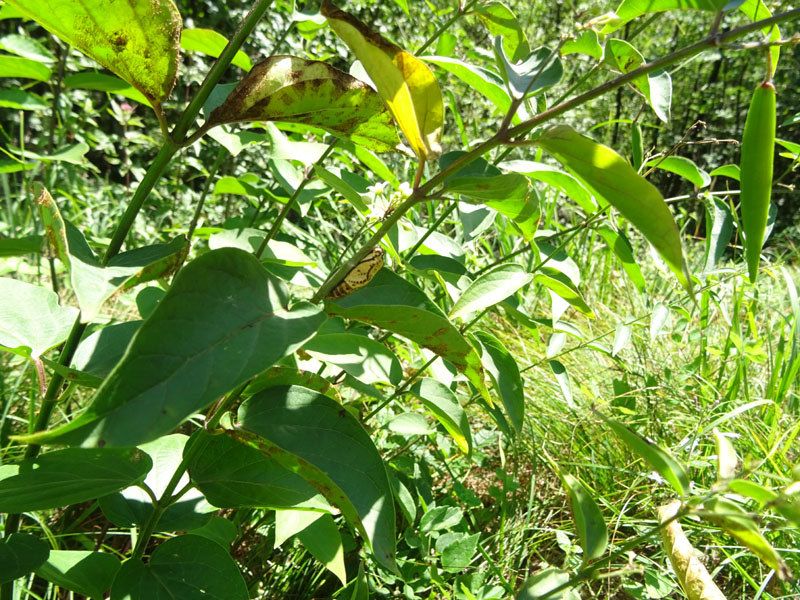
[758, 147]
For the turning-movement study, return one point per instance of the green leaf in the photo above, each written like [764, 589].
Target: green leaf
[394, 304]
[410, 424]
[134, 506]
[80, 571]
[656, 86]
[211, 43]
[589, 520]
[23, 68]
[362, 357]
[341, 187]
[612, 178]
[20, 554]
[718, 236]
[622, 336]
[621, 247]
[566, 183]
[295, 90]
[492, 287]
[561, 285]
[31, 319]
[510, 186]
[322, 539]
[500, 21]
[485, 82]
[99, 352]
[314, 436]
[680, 165]
[731, 171]
[585, 43]
[224, 315]
[739, 525]
[539, 586]
[537, 72]
[562, 378]
[19, 100]
[658, 459]
[186, 566]
[405, 83]
[457, 549]
[70, 476]
[440, 518]
[105, 83]
[232, 474]
[26, 47]
[441, 401]
[94, 284]
[20, 246]
[138, 40]
[503, 370]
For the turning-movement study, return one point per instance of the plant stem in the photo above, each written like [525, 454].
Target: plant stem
[199, 208]
[459, 13]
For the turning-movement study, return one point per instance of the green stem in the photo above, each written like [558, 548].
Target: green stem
[276, 226]
[209, 179]
[407, 256]
[459, 13]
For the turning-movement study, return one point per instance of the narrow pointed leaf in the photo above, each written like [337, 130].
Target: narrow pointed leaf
[224, 320]
[612, 178]
[685, 167]
[322, 539]
[500, 21]
[653, 455]
[295, 90]
[503, 369]
[137, 40]
[560, 284]
[362, 357]
[441, 401]
[540, 70]
[105, 83]
[211, 43]
[589, 521]
[490, 288]
[621, 247]
[404, 82]
[313, 435]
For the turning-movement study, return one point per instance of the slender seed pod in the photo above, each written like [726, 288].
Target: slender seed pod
[758, 147]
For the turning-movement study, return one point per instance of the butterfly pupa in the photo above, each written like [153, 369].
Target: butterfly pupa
[360, 275]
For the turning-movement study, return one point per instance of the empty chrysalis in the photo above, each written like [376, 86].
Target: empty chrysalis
[360, 275]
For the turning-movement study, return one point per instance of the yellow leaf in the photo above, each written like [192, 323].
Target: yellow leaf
[404, 82]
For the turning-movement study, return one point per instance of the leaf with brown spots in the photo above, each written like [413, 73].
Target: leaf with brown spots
[294, 90]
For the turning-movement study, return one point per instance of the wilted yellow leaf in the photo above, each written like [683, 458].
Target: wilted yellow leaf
[404, 82]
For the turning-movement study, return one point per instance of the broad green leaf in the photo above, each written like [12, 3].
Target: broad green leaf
[585, 43]
[404, 82]
[718, 236]
[440, 518]
[31, 319]
[562, 378]
[322, 539]
[536, 72]
[290, 376]
[99, 352]
[19, 100]
[739, 525]
[410, 424]
[560, 284]
[341, 187]
[73, 154]
[94, 284]
[510, 186]
[20, 554]
[503, 369]
[680, 165]
[658, 320]
[223, 320]
[621, 247]
[362, 357]
[457, 549]
[105, 83]
[566, 183]
[483, 81]
[295, 90]
[731, 171]
[315, 437]
[394, 304]
[23, 68]
[289, 522]
[26, 47]
[658, 459]
[80, 571]
[589, 521]
[133, 506]
[612, 178]
[69, 476]
[490, 288]
[186, 566]
[232, 474]
[211, 43]
[137, 40]
[441, 401]
[500, 21]
[656, 86]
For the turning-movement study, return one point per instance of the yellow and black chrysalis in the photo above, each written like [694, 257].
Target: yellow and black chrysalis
[360, 275]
